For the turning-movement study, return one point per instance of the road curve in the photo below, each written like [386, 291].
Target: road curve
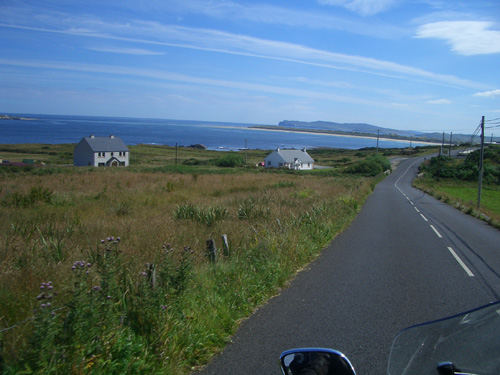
[391, 268]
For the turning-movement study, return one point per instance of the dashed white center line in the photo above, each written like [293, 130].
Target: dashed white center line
[423, 217]
[436, 231]
[457, 258]
[416, 209]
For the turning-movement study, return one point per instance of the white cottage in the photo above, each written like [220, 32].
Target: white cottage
[291, 159]
[101, 152]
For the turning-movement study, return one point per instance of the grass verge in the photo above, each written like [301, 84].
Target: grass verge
[464, 196]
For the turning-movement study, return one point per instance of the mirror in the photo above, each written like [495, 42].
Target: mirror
[315, 361]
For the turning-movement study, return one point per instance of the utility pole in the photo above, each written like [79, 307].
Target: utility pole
[442, 146]
[451, 136]
[481, 165]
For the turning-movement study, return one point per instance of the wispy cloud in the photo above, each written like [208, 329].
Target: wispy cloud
[126, 51]
[488, 94]
[154, 33]
[363, 7]
[160, 75]
[465, 37]
[270, 14]
[439, 101]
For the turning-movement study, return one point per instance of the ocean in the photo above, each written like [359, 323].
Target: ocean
[55, 129]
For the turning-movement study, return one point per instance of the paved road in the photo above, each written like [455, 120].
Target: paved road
[392, 268]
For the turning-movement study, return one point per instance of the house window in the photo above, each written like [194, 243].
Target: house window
[112, 153]
[269, 162]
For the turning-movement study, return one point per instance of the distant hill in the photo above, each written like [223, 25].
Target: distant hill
[372, 129]
[345, 127]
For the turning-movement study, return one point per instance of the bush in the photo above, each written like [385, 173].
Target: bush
[371, 166]
[230, 161]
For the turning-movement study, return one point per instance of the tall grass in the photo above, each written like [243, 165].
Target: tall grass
[151, 301]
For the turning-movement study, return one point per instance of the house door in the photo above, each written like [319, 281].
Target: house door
[114, 163]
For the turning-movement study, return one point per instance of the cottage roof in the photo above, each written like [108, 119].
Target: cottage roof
[105, 144]
[289, 156]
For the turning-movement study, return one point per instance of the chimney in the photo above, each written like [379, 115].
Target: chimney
[278, 149]
[111, 136]
[92, 136]
[304, 149]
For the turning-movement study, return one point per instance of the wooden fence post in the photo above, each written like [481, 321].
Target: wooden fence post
[152, 274]
[211, 250]
[225, 245]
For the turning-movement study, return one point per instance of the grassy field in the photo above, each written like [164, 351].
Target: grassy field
[109, 270]
[464, 196]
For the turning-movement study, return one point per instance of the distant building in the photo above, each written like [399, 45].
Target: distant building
[291, 159]
[101, 152]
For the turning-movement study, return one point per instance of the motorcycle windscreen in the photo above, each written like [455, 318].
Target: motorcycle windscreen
[469, 341]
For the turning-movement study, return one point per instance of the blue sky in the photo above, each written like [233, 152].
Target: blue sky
[429, 65]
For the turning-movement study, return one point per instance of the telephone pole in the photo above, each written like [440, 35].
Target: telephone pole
[481, 165]
[449, 152]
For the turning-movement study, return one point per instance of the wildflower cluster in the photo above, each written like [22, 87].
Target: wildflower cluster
[112, 239]
[46, 295]
[81, 265]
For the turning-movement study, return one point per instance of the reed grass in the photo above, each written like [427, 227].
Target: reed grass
[152, 301]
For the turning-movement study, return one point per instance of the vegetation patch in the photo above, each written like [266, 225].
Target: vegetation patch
[456, 182]
[110, 270]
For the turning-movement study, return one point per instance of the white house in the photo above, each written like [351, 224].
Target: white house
[291, 159]
[101, 152]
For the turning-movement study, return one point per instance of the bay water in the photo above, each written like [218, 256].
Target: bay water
[223, 136]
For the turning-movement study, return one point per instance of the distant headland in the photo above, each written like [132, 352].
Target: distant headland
[9, 117]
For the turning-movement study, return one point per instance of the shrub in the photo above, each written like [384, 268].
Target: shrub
[371, 166]
[230, 160]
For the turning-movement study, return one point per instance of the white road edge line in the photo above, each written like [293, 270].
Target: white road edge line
[423, 217]
[435, 231]
[457, 258]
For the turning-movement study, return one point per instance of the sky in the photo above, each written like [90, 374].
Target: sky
[427, 65]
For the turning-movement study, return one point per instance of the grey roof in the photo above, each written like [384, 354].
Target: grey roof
[290, 155]
[105, 144]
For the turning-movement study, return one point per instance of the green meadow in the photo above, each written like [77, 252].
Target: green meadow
[125, 270]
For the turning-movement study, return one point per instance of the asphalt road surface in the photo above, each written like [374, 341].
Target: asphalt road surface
[406, 259]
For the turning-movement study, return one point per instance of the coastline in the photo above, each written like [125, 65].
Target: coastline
[347, 135]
